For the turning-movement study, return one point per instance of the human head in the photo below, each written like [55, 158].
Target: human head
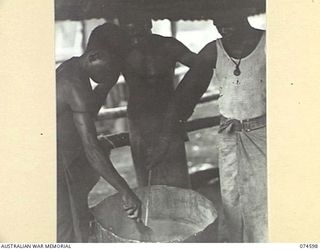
[107, 36]
[136, 25]
[101, 66]
[231, 24]
[103, 53]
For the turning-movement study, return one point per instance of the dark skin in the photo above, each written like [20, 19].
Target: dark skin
[239, 39]
[149, 70]
[75, 90]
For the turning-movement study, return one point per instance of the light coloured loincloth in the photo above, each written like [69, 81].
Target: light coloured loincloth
[243, 180]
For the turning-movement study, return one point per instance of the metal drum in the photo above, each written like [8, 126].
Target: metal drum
[175, 215]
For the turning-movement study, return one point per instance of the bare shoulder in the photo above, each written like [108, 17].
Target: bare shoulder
[68, 79]
[66, 71]
[168, 42]
[66, 83]
[67, 74]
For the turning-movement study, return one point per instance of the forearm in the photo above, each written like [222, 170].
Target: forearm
[186, 96]
[104, 167]
[100, 94]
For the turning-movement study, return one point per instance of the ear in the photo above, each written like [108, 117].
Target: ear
[94, 56]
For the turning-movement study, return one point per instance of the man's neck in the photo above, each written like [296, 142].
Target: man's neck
[243, 43]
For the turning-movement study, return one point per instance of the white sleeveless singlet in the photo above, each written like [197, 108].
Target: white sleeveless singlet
[244, 96]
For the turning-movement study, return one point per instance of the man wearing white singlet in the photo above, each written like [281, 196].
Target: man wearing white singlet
[239, 62]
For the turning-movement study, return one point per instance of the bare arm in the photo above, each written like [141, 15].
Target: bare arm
[180, 52]
[98, 160]
[95, 155]
[101, 91]
[194, 83]
[100, 94]
[186, 95]
[102, 164]
[209, 54]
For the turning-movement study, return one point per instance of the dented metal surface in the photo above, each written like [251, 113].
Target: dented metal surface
[175, 215]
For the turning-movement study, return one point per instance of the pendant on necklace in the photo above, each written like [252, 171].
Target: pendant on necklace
[237, 71]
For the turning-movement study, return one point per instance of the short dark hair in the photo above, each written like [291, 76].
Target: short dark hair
[107, 36]
[135, 17]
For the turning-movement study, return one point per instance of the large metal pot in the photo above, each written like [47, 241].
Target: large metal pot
[175, 215]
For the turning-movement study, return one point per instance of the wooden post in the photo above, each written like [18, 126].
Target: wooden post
[84, 35]
[173, 26]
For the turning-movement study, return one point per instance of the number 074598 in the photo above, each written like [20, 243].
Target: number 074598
[308, 245]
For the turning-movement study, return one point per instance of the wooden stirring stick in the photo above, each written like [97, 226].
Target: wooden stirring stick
[148, 198]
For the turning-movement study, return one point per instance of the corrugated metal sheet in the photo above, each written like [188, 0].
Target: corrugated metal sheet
[158, 9]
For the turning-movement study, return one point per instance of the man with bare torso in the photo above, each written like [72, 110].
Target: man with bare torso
[155, 109]
[240, 70]
[81, 159]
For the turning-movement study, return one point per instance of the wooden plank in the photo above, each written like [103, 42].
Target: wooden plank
[122, 139]
[157, 9]
[120, 112]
